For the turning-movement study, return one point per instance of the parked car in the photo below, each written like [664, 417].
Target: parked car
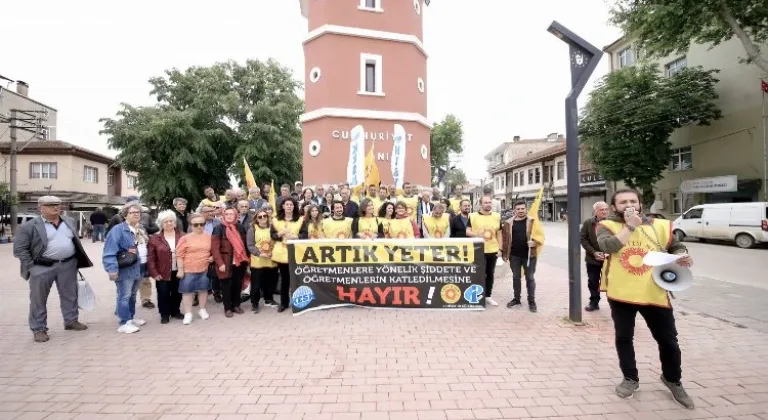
[655, 215]
[746, 224]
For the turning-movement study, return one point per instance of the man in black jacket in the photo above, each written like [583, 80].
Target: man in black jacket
[99, 221]
[594, 257]
[460, 220]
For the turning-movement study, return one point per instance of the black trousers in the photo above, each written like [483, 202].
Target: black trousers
[661, 322]
[168, 296]
[517, 264]
[232, 287]
[263, 282]
[593, 282]
[285, 285]
[213, 276]
[490, 272]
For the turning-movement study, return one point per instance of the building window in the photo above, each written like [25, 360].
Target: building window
[110, 178]
[676, 66]
[371, 75]
[43, 170]
[676, 201]
[133, 182]
[44, 133]
[560, 170]
[626, 58]
[515, 183]
[90, 174]
[370, 5]
[530, 176]
[547, 173]
[681, 160]
[538, 176]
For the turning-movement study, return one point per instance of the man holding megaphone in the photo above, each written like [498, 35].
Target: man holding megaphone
[627, 236]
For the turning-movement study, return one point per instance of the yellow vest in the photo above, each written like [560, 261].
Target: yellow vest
[456, 204]
[625, 278]
[337, 229]
[313, 233]
[264, 243]
[280, 252]
[411, 203]
[437, 228]
[487, 225]
[368, 226]
[400, 228]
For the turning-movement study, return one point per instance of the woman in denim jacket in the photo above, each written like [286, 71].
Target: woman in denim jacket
[127, 279]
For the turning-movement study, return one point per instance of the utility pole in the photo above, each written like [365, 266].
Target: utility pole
[13, 187]
[30, 122]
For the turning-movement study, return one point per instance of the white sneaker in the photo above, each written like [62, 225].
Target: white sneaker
[187, 318]
[203, 314]
[138, 322]
[491, 302]
[128, 328]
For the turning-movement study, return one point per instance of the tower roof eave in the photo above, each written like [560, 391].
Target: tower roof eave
[304, 5]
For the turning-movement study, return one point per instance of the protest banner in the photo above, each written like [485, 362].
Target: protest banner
[444, 274]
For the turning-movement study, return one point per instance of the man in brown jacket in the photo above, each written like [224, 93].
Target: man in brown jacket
[517, 247]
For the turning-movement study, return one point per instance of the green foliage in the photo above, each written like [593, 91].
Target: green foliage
[631, 114]
[663, 27]
[446, 137]
[206, 121]
[455, 177]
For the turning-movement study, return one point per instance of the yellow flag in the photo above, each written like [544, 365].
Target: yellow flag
[371, 170]
[272, 197]
[537, 230]
[250, 182]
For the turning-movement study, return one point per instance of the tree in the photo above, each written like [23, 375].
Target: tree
[631, 114]
[454, 177]
[446, 137]
[663, 27]
[206, 121]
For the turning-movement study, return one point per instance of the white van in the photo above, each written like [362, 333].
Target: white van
[744, 223]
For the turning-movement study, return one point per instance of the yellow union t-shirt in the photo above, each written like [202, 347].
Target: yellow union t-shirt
[436, 227]
[280, 252]
[411, 203]
[487, 226]
[337, 229]
[264, 243]
[400, 228]
[369, 226]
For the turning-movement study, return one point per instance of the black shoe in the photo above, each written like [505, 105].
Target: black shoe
[270, 303]
[165, 319]
[282, 309]
[255, 309]
[178, 316]
[592, 307]
[512, 303]
[217, 297]
[196, 302]
[532, 306]
[148, 304]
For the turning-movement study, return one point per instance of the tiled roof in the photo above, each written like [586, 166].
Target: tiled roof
[533, 157]
[57, 147]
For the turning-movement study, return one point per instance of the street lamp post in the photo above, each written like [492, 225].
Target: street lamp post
[583, 61]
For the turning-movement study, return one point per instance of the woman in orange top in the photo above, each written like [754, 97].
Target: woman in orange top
[193, 255]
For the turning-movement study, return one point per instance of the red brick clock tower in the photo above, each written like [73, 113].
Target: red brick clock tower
[365, 64]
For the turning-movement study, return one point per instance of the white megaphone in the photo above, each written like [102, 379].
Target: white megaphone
[667, 273]
[672, 277]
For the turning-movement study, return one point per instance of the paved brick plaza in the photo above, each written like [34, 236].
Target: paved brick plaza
[364, 364]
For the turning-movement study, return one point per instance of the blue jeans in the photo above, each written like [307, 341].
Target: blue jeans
[126, 299]
[98, 233]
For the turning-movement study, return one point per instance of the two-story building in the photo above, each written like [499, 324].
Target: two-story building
[19, 99]
[83, 179]
[547, 169]
[722, 162]
[507, 152]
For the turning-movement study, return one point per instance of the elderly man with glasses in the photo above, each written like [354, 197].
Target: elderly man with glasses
[50, 252]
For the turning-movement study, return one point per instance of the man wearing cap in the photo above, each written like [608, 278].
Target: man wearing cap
[50, 252]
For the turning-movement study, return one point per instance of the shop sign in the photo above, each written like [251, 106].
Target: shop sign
[728, 183]
[591, 178]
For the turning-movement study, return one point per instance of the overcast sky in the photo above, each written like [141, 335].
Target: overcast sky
[491, 62]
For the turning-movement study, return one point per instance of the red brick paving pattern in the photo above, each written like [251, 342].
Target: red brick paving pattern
[363, 364]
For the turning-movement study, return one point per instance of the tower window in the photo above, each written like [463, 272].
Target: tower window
[370, 5]
[371, 75]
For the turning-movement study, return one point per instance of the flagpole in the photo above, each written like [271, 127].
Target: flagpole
[763, 87]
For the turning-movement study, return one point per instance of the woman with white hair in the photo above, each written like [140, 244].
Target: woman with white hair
[161, 265]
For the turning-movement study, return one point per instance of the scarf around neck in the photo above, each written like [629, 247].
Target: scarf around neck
[233, 236]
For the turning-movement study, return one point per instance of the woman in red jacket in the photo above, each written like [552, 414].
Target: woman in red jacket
[161, 266]
[230, 257]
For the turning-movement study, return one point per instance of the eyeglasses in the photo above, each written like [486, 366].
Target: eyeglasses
[198, 224]
[134, 212]
[261, 216]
